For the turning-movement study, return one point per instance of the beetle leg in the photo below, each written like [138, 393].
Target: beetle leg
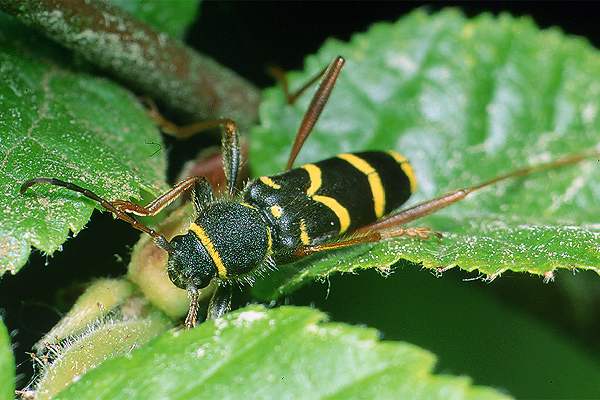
[192, 315]
[230, 143]
[430, 206]
[220, 302]
[281, 78]
[157, 205]
[422, 233]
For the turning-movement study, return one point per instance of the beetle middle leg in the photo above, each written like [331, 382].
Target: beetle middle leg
[230, 142]
[281, 78]
[430, 206]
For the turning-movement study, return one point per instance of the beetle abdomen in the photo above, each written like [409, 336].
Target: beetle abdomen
[331, 197]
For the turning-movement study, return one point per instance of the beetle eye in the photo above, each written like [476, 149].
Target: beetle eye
[189, 265]
[175, 272]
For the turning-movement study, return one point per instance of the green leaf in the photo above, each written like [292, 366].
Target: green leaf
[7, 365]
[170, 16]
[470, 327]
[464, 100]
[282, 353]
[66, 124]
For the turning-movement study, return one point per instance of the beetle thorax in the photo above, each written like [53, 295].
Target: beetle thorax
[235, 236]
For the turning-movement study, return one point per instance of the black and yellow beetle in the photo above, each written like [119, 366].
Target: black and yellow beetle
[277, 219]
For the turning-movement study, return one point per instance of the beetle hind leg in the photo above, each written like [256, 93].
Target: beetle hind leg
[418, 232]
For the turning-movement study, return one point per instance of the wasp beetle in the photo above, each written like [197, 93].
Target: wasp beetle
[342, 201]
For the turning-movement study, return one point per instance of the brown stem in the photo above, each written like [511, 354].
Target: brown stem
[151, 62]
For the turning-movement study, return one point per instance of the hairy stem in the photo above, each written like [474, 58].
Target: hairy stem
[150, 62]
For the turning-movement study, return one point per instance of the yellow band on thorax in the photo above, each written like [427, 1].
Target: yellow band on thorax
[248, 205]
[276, 210]
[210, 248]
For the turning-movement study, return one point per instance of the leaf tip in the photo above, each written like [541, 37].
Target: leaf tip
[13, 253]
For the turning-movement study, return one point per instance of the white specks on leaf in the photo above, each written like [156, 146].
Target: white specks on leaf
[220, 324]
[73, 127]
[248, 317]
[402, 62]
[200, 352]
[589, 112]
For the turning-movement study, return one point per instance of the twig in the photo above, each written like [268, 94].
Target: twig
[151, 62]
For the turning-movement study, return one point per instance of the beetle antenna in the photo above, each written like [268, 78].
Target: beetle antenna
[316, 107]
[159, 239]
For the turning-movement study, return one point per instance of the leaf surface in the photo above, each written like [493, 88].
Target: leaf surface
[7, 365]
[464, 100]
[282, 353]
[58, 122]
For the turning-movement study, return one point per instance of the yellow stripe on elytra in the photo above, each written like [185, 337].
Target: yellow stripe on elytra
[210, 248]
[269, 182]
[407, 168]
[377, 190]
[304, 238]
[314, 176]
[340, 211]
